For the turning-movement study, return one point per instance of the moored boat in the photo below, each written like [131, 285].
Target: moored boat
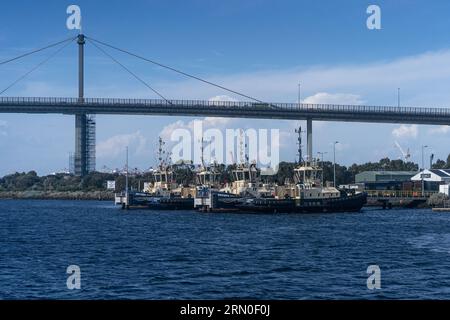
[163, 193]
[306, 195]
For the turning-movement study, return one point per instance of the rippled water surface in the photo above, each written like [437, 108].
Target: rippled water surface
[189, 255]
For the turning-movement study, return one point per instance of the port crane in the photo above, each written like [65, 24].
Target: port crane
[405, 155]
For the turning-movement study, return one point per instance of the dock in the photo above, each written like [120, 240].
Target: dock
[444, 208]
[441, 209]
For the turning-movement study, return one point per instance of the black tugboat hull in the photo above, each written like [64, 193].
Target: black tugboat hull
[172, 204]
[352, 203]
[220, 202]
[147, 201]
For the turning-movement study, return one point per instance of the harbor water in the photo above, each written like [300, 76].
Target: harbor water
[188, 255]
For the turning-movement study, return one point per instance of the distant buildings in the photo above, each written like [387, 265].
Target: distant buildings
[441, 176]
[433, 180]
[385, 180]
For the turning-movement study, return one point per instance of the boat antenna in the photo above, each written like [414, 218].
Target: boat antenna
[299, 143]
[241, 146]
[202, 148]
[232, 157]
[246, 154]
[161, 153]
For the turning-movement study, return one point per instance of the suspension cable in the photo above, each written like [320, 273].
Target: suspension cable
[37, 66]
[36, 50]
[128, 70]
[175, 70]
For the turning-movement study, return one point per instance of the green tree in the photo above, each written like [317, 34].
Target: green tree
[439, 164]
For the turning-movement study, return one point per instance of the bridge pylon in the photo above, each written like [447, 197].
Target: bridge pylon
[84, 124]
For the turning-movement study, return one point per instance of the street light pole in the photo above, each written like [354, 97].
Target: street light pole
[126, 172]
[334, 163]
[398, 97]
[423, 169]
[299, 96]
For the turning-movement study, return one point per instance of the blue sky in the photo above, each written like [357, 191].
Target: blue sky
[261, 47]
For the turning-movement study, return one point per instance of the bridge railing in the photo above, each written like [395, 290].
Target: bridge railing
[135, 103]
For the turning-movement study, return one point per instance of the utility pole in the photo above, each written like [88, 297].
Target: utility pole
[126, 174]
[334, 163]
[299, 96]
[398, 97]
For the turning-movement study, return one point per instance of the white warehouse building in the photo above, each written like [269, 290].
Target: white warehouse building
[433, 178]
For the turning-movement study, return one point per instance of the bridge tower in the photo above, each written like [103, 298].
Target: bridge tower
[84, 124]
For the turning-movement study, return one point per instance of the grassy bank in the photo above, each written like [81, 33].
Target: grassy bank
[58, 195]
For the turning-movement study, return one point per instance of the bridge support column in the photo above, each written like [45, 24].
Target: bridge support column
[80, 145]
[309, 138]
[84, 124]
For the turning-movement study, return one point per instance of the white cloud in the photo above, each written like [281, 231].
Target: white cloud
[405, 131]
[440, 130]
[208, 122]
[224, 123]
[222, 97]
[337, 98]
[3, 128]
[46, 89]
[341, 146]
[115, 146]
[423, 78]
[212, 122]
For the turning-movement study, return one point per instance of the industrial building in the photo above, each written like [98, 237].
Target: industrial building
[433, 178]
[384, 180]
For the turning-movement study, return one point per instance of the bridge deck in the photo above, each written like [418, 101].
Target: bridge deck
[288, 111]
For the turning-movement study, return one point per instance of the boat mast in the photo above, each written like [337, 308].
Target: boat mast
[299, 143]
[160, 153]
[241, 146]
[202, 149]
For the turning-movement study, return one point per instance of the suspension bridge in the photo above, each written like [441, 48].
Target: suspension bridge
[84, 108]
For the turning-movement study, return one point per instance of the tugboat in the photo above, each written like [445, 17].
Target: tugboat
[307, 194]
[246, 184]
[209, 190]
[163, 193]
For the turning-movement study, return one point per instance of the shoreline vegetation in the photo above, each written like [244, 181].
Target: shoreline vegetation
[63, 186]
[58, 195]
